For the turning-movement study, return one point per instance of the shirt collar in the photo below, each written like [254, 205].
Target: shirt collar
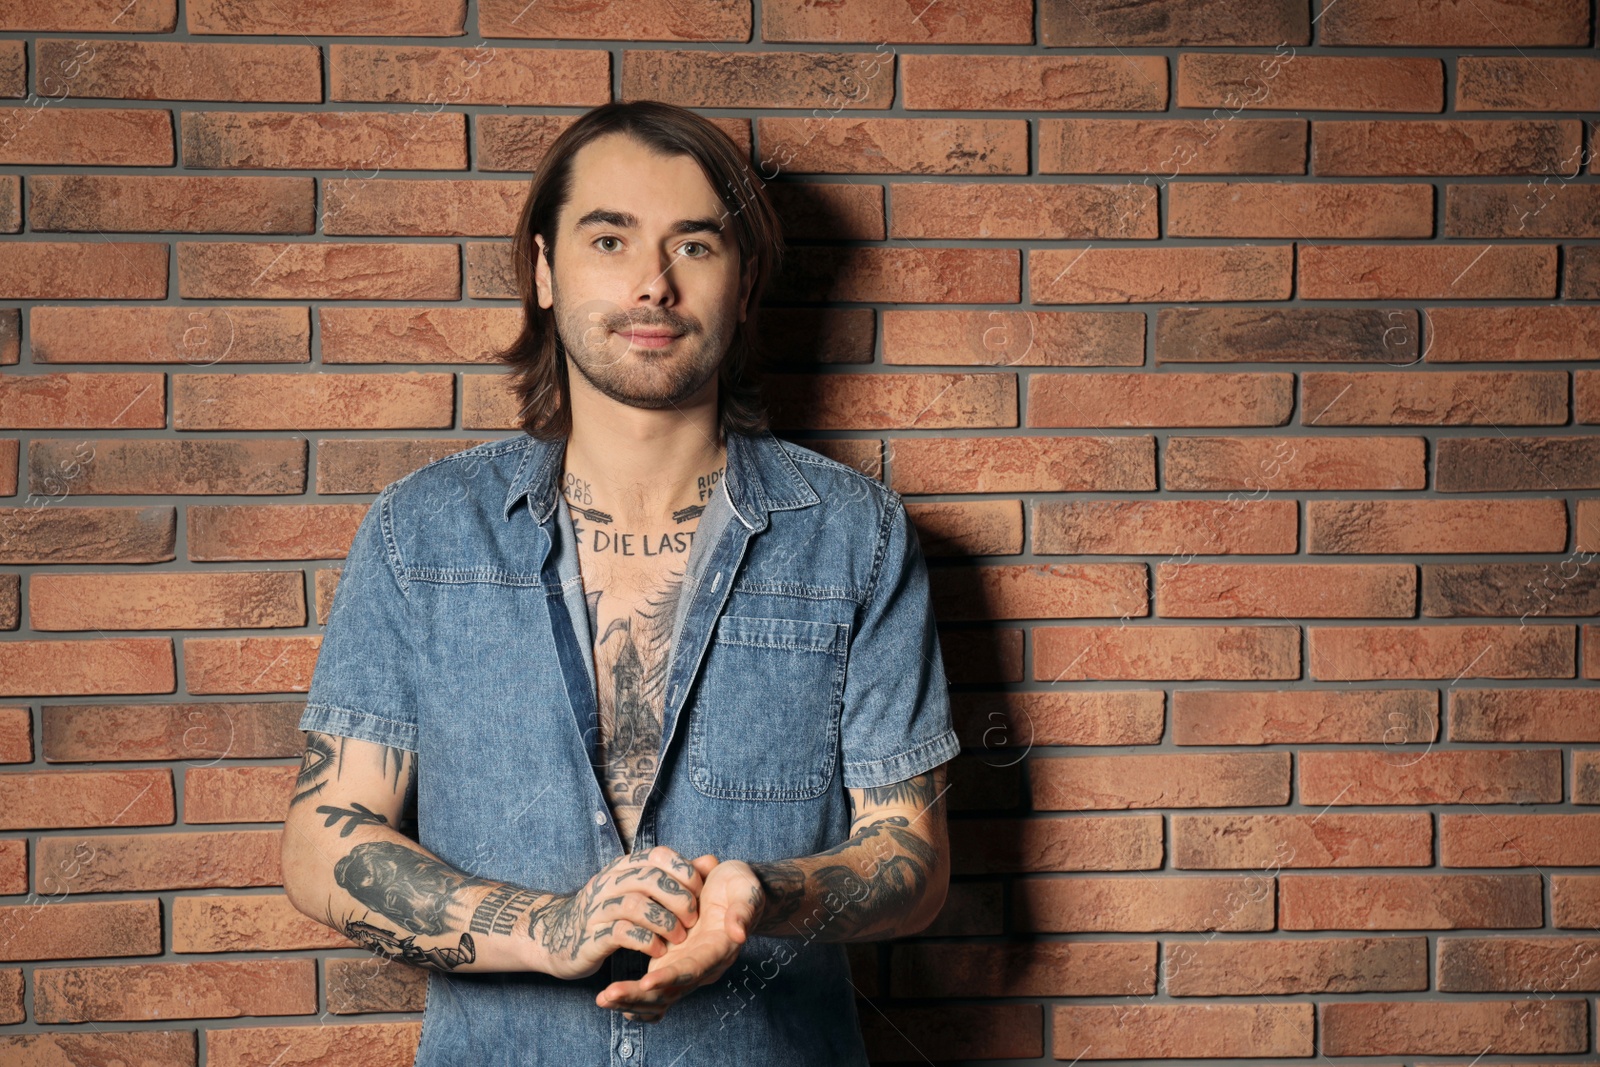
[760, 478]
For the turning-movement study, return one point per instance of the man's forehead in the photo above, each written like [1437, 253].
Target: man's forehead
[609, 189]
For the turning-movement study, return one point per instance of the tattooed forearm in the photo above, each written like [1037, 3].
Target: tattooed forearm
[402, 884]
[325, 760]
[873, 885]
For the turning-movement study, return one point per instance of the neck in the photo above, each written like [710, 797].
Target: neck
[642, 475]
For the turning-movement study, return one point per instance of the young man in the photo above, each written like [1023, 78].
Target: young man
[644, 630]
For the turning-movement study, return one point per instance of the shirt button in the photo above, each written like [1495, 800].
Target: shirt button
[626, 1048]
[600, 820]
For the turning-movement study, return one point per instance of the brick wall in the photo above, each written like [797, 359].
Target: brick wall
[1233, 358]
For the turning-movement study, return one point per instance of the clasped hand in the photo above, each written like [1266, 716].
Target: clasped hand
[696, 952]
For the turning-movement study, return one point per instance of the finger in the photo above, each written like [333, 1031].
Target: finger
[703, 864]
[623, 933]
[679, 897]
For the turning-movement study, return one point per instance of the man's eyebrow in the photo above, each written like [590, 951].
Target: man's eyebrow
[603, 216]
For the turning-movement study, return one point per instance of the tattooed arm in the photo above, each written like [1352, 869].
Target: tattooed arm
[346, 864]
[888, 879]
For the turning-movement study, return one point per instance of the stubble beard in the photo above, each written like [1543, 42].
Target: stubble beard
[638, 378]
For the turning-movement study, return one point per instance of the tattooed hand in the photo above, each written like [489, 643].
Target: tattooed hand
[730, 906]
[640, 902]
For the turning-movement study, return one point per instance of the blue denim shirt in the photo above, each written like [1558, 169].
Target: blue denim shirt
[806, 662]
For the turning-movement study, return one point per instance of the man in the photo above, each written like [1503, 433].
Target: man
[719, 647]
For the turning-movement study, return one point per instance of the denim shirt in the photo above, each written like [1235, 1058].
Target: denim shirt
[806, 662]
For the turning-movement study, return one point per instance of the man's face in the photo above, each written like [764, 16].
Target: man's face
[639, 254]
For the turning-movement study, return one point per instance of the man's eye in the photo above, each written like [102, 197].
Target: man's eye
[599, 239]
[697, 244]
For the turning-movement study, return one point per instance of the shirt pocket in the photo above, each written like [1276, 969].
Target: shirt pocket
[764, 724]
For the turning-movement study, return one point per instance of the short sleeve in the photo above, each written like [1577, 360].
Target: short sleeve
[896, 718]
[364, 683]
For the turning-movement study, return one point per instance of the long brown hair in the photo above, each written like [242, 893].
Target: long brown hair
[538, 363]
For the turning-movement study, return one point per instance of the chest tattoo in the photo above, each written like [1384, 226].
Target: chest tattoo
[632, 586]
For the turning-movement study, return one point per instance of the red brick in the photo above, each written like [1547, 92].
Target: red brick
[306, 402]
[1545, 965]
[87, 667]
[1040, 969]
[199, 732]
[908, 275]
[1288, 590]
[1409, 901]
[1479, 211]
[1013, 338]
[1102, 23]
[10, 336]
[1502, 462]
[150, 70]
[228, 532]
[54, 800]
[1142, 904]
[1284, 209]
[1435, 526]
[1166, 653]
[1453, 1028]
[1058, 717]
[902, 401]
[1140, 275]
[1041, 591]
[1504, 334]
[208, 990]
[1525, 83]
[16, 746]
[997, 22]
[383, 1044]
[1551, 840]
[168, 467]
[515, 142]
[933, 82]
[968, 527]
[250, 664]
[324, 140]
[328, 18]
[198, 336]
[823, 211]
[1118, 843]
[84, 270]
[1021, 464]
[1062, 211]
[645, 20]
[1150, 147]
[87, 137]
[834, 79]
[1348, 653]
[1423, 272]
[1575, 901]
[367, 465]
[87, 535]
[490, 274]
[1258, 967]
[1271, 842]
[1152, 527]
[323, 270]
[94, 203]
[1286, 334]
[1158, 1031]
[92, 16]
[1301, 716]
[83, 401]
[1240, 81]
[1520, 590]
[851, 145]
[1160, 400]
[1496, 23]
[525, 77]
[1549, 715]
[1190, 780]
[254, 923]
[108, 863]
[1433, 147]
[237, 794]
[148, 1048]
[1507, 776]
[72, 931]
[10, 210]
[1288, 464]
[422, 207]
[210, 600]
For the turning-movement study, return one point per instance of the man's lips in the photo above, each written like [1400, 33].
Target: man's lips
[650, 338]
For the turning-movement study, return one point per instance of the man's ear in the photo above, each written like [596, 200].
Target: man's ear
[541, 273]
